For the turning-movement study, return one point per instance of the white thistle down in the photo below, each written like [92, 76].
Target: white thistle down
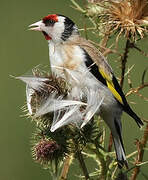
[71, 115]
[29, 94]
[36, 83]
[78, 107]
[32, 84]
[53, 104]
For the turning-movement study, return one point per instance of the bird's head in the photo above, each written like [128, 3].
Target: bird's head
[55, 27]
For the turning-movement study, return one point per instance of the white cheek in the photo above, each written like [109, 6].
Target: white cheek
[57, 31]
[47, 29]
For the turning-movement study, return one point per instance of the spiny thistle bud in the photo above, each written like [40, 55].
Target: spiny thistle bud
[45, 151]
[94, 9]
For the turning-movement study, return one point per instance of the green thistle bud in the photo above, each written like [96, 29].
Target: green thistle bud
[94, 9]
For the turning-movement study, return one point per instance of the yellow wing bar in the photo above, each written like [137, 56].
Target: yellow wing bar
[111, 86]
[115, 93]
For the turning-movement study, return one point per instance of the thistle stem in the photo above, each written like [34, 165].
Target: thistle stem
[140, 50]
[103, 168]
[110, 143]
[102, 163]
[141, 145]
[82, 163]
[124, 61]
[65, 169]
[77, 6]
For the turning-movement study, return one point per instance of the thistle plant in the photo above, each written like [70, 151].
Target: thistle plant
[56, 144]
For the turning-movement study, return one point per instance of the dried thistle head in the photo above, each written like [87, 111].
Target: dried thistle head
[129, 17]
[50, 85]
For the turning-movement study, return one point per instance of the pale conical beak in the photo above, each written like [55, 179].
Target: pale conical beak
[36, 26]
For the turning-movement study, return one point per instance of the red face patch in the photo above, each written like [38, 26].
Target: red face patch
[53, 17]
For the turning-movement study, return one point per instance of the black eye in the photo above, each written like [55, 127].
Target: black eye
[48, 22]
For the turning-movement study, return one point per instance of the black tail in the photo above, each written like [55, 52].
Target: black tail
[125, 104]
[129, 111]
[118, 143]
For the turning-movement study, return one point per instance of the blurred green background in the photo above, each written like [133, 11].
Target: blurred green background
[20, 51]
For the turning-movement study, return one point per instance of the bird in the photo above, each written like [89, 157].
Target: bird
[67, 49]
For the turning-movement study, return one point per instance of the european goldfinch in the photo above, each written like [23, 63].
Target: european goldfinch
[80, 63]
